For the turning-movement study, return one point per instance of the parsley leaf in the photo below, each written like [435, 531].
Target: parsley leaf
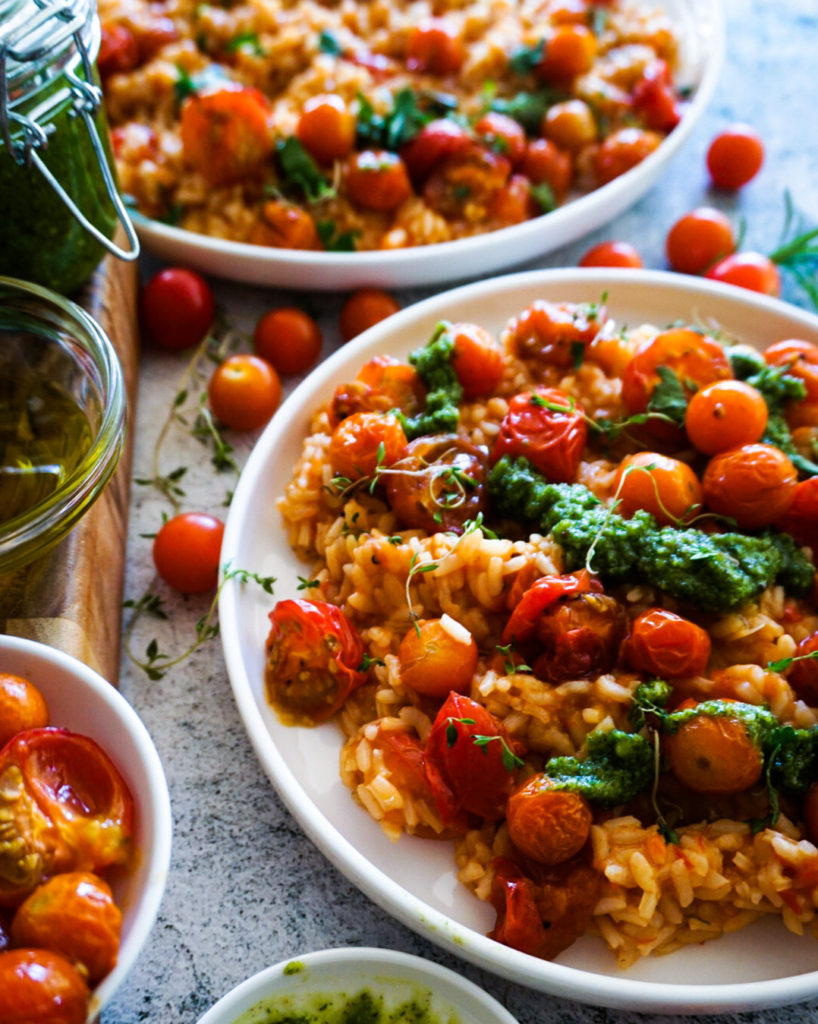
[526, 59]
[396, 127]
[328, 43]
[299, 170]
[669, 397]
[528, 108]
[334, 240]
[247, 42]
[543, 196]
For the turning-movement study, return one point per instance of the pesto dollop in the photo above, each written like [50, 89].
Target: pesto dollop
[433, 363]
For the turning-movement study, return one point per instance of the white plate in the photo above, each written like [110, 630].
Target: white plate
[701, 28]
[763, 965]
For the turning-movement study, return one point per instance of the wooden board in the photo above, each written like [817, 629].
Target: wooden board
[72, 598]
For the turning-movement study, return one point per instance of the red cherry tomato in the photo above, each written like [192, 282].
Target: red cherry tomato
[801, 521]
[803, 674]
[470, 761]
[314, 654]
[545, 427]
[382, 384]
[698, 240]
[622, 150]
[611, 254]
[289, 339]
[735, 157]
[226, 134]
[519, 924]
[477, 359]
[118, 51]
[654, 99]
[503, 134]
[435, 48]
[377, 180]
[554, 333]
[244, 391]
[436, 141]
[545, 163]
[363, 441]
[754, 484]
[40, 987]
[751, 270]
[542, 593]
[177, 308]
[666, 645]
[186, 552]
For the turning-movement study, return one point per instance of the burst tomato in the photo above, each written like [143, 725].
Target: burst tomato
[547, 824]
[803, 674]
[800, 358]
[542, 593]
[696, 360]
[22, 706]
[802, 518]
[664, 644]
[665, 487]
[226, 134]
[754, 484]
[39, 987]
[654, 99]
[382, 384]
[554, 334]
[436, 658]
[714, 754]
[545, 428]
[364, 441]
[477, 359]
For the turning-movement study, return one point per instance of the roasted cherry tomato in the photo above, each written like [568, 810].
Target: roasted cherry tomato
[435, 48]
[547, 824]
[226, 134]
[435, 142]
[438, 484]
[314, 654]
[69, 807]
[622, 150]
[696, 360]
[724, 415]
[326, 128]
[735, 156]
[579, 637]
[118, 50]
[800, 359]
[513, 202]
[22, 706]
[186, 552]
[570, 125]
[665, 487]
[470, 177]
[545, 163]
[698, 240]
[522, 624]
[364, 441]
[382, 384]
[40, 987]
[74, 914]
[363, 309]
[554, 334]
[177, 308]
[803, 674]
[754, 484]
[664, 644]
[751, 270]
[471, 763]
[377, 180]
[283, 225]
[802, 518]
[714, 754]
[654, 99]
[244, 391]
[477, 359]
[519, 924]
[438, 656]
[545, 427]
[289, 339]
[503, 134]
[611, 254]
[569, 51]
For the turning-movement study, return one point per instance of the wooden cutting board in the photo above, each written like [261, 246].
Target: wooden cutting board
[72, 598]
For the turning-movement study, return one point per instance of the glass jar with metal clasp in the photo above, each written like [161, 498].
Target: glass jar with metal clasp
[59, 204]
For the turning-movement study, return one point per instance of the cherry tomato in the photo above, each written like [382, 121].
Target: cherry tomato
[665, 487]
[754, 484]
[545, 427]
[244, 391]
[465, 770]
[554, 334]
[751, 270]
[569, 51]
[664, 644]
[544, 592]
[801, 520]
[435, 48]
[314, 654]
[40, 987]
[438, 484]
[226, 134]
[714, 754]
[326, 128]
[612, 254]
[73, 914]
[547, 824]
[622, 150]
[579, 637]
[503, 134]
[436, 141]
[477, 360]
[800, 359]
[22, 706]
[519, 924]
[377, 180]
[284, 225]
[695, 358]
[177, 308]
[118, 51]
[513, 202]
[654, 100]
[570, 125]
[735, 156]
[363, 309]
[363, 441]
[724, 415]
[289, 339]
[471, 178]
[803, 675]
[70, 809]
[698, 240]
[436, 658]
[186, 552]
[545, 163]
[382, 384]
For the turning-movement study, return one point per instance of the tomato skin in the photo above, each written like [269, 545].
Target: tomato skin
[519, 924]
[363, 309]
[73, 914]
[666, 645]
[177, 308]
[803, 675]
[665, 487]
[435, 142]
[579, 637]
[289, 339]
[552, 441]
[754, 484]
[513, 203]
[570, 125]
[244, 391]
[41, 987]
[382, 384]
[472, 176]
[550, 333]
[698, 240]
[713, 754]
[284, 225]
[313, 658]
[354, 448]
[691, 356]
[226, 134]
[545, 163]
[751, 270]
[463, 775]
[724, 415]
[326, 128]
[801, 520]
[435, 48]
[800, 359]
[540, 595]
[186, 552]
[735, 156]
[118, 51]
[569, 51]
[547, 824]
[503, 133]
[433, 662]
[611, 254]
[22, 706]
[377, 180]
[623, 150]
[654, 100]
[477, 359]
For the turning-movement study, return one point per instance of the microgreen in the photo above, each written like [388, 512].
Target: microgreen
[785, 663]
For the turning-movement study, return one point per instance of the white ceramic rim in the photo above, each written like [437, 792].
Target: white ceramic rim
[425, 973]
[566, 981]
[155, 808]
[456, 260]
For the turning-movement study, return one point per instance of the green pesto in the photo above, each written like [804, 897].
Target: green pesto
[793, 755]
[362, 1007]
[618, 767]
[716, 572]
[433, 363]
[293, 967]
[758, 722]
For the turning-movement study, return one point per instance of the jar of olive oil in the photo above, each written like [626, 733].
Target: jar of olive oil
[59, 205]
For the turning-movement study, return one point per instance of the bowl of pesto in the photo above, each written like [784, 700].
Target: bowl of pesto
[357, 986]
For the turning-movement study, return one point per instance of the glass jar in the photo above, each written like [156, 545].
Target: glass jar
[59, 205]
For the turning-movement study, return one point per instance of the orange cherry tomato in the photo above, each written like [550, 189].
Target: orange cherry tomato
[554, 334]
[477, 359]
[569, 124]
[513, 202]
[724, 415]
[541, 594]
[800, 359]
[569, 51]
[547, 824]
[284, 225]
[713, 754]
[801, 519]
[435, 48]
[186, 552]
[22, 706]
[611, 254]
[695, 358]
[377, 180]
[226, 134]
[754, 484]
[74, 914]
[435, 142]
[803, 675]
[622, 150]
[545, 163]
[41, 987]
[751, 270]
[544, 427]
[434, 660]
[314, 657]
[654, 100]
[118, 50]
[698, 240]
[471, 177]
[363, 309]
[735, 156]
[664, 644]
[244, 391]
[326, 128]
[363, 441]
[502, 134]
[382, 384]
[289, 339]
[665, 487]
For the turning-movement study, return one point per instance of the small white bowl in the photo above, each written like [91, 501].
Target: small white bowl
[79, 699]
[293, 985]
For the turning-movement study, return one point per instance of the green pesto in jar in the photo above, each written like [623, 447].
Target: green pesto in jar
[363, 1007]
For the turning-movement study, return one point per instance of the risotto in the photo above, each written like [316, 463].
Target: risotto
[563, 608]
[367, 124]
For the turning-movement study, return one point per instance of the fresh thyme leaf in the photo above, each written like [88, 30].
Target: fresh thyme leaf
[509, 758]
[785, 663]
[367, 661]
[577, 354]
[399, 125]
[305, 584]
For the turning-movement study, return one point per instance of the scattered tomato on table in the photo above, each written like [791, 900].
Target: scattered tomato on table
[177, 308]
[244, 392]
[186, 552]
[289, 339]
[363, 309]
[735, 156]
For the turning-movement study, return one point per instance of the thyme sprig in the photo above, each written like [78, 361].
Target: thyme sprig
[510, 760]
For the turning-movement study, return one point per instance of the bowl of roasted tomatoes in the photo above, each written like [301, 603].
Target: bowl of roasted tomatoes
[85, 833]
